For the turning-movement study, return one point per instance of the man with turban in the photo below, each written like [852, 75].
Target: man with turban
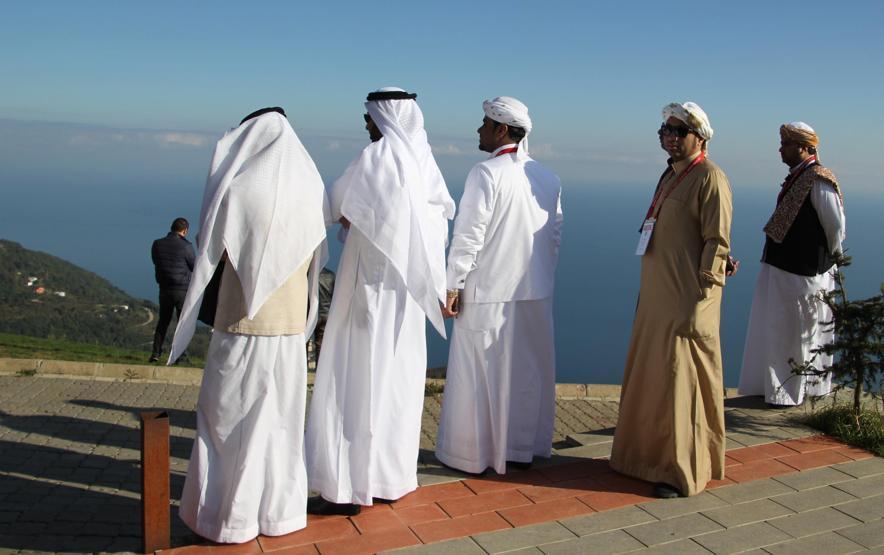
[788, 319]
[262, 230]
[499, 402]
[671, 425]
[363, 432]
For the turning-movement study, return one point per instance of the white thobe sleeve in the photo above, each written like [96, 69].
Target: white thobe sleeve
[830, 212]
[476, 207]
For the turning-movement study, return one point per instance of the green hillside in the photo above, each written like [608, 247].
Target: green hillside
[44, 296]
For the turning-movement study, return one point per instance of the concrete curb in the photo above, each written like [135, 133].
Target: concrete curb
[181, 375]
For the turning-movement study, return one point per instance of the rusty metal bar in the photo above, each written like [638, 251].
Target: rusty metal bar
[155, 505]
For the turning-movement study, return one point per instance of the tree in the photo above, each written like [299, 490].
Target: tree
[858, 342]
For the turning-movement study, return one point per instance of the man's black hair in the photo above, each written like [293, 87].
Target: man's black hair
[179, 225]
[514, 133]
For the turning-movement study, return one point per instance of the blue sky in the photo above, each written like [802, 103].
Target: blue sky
[155, 83]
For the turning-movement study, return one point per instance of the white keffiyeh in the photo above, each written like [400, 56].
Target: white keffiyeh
[265, 205]
[394, 194]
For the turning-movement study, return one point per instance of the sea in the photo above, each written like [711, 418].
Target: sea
[109, 230]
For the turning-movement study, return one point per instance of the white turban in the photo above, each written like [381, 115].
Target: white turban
[692, 115]
[510, 111]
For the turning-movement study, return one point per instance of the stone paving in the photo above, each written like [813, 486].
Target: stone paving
[70, 482]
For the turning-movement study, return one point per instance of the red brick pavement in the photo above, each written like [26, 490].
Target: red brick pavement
[459, 509]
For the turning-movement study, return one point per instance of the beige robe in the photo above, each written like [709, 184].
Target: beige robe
[671, 424]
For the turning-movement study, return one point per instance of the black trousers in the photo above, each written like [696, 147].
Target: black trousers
[170, 300]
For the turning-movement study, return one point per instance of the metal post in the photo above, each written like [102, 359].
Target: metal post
[155, 514]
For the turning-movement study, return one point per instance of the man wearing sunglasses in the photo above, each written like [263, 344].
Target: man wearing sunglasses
[671, 425]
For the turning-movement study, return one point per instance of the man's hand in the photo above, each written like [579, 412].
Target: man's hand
[731, 267]
[345, 222]
[452, 304]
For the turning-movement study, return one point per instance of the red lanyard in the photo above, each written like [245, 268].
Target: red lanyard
[681, 177]
[507, 151]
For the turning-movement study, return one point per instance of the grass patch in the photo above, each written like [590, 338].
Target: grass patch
[865, 431]
[433, 387]
[23, 346]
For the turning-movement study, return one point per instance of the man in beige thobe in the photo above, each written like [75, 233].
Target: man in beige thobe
[671, 425]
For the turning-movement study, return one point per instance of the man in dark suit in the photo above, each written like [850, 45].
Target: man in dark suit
[172, 257]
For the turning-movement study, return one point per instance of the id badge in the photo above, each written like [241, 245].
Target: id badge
[647, 230]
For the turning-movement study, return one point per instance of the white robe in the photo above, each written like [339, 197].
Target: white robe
[363, 430]
[246, 473]
[787, 319]
[499, 401]
[500, 397]
[264, 205]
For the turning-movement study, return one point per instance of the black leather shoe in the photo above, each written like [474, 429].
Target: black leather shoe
[475, 474]
[520, 465]
[665, 491]
[153, 358]
[319, 506]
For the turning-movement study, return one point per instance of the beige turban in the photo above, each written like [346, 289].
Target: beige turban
[692, 115]
[799, 133]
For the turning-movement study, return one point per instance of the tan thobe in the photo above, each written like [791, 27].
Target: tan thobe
[671, 425]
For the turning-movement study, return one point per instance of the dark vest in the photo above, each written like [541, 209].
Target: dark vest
[804, 250]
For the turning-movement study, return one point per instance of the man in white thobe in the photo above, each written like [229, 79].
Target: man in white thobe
[499, 402]
[363, 432]
[788, 319]
[262, 230]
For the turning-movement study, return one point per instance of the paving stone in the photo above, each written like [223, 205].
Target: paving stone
[741, 538]
[731, 443]
[828, 543]
[813, 498]
[525, 536]
[616, 541]
[815, 478]
[460, 546]
[681, 547]
[672, 529]
[813, 522]
[758, 435]
[668, 508]
[862, 469]
[593, 438]
[751, 491]
[865, 510]
[870, 534]
[864, 487]
[608, 520]
[745, 513]
[587, 451]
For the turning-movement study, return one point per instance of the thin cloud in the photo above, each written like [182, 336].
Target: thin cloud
[177, 138]
[448, 149]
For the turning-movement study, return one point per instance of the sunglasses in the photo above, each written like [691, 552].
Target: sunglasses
[667, 130]
[366, 117]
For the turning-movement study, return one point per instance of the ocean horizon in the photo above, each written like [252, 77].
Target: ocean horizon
[109, 231]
